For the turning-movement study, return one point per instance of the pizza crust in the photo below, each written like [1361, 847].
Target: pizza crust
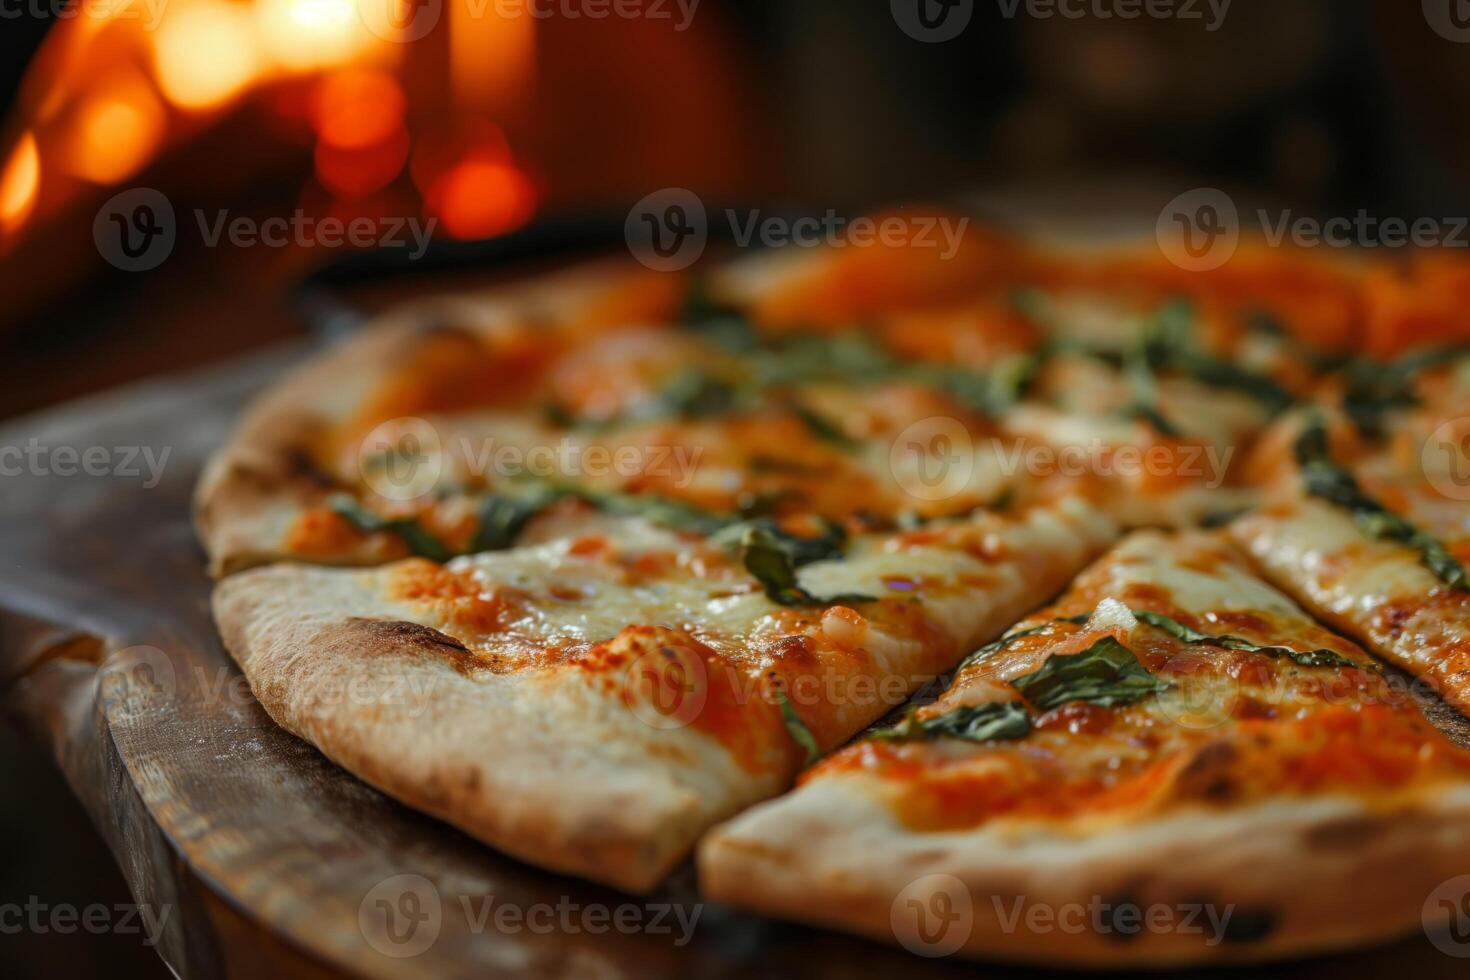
[262, 479]
[1301, 875]
[541, 766]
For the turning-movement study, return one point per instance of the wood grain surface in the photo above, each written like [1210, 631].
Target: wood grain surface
[270, 860]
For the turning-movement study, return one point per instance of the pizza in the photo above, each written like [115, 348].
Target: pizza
[591, 564]
[1173, 737]
[1369, 519]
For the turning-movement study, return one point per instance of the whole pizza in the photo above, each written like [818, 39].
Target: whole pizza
[617, 567]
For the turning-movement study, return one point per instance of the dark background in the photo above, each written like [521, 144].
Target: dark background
[1325, 106]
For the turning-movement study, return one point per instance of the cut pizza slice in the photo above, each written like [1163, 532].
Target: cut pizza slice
[597, 697]
[447, 428]
[1370, 529]
[1172, 764]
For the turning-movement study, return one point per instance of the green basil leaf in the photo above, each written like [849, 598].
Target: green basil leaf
[769, 557]
[824, 428]
[1168, 346]
[1145, 388]
[663, 511]
[420, 542]
[722, 324]
[693, 393]
[800, 734]
[1106, 673]
[504, 517]
[998, 722]
[1374, 389]
[1322, 477]
[1306, 658]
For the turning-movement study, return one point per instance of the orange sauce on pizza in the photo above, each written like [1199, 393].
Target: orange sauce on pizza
[323, 533]
[456, 597]
[1122, 764]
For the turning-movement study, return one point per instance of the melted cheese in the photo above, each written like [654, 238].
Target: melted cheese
[584, 600]
[1233, 726]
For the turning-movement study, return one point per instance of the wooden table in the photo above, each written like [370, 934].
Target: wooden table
[266, 854]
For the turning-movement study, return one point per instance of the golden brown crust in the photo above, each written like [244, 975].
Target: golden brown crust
[264, 478]
[1294, 876]
[539, 765]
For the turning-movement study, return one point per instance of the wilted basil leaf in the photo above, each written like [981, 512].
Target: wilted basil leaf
[420, 542]
[824, 428]
[1307, 658]
[1106, 673]
[1374, 389]
[504, 517]
[1323, 478]
[800, 734]
[1000, 721]
[770, 558]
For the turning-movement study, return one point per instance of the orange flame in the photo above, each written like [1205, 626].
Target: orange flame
[20, 184]
[206, 54]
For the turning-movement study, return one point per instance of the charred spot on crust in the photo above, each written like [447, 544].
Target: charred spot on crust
[422, 639]
[298, 464]
[1208, 775]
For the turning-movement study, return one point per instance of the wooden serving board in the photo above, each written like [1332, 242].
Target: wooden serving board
[272, 860]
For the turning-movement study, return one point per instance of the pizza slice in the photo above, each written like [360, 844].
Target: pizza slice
[1367, 523]
[595, 698]
[1172, 764]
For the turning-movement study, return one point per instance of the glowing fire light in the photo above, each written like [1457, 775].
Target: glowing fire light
[20, 183]
[117, 131]
[359, 171]
[481, 198]
[205, 54]
[358, 108]
[491, 57]
[304, 34]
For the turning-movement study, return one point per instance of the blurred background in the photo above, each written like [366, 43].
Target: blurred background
[496, 116]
